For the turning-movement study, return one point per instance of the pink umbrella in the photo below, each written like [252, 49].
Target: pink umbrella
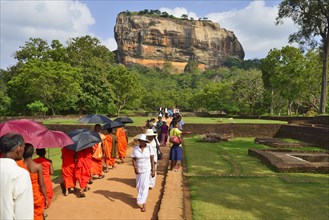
[51, 139]
[27, 128]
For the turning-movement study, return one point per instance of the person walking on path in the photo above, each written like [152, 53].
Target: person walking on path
[143, 163]
[153, 143]
[176, 152]
[40, 197]
[16, 195]
[47, 171]
[122, 143]
[82, 170]
[110, 145]
[98, 155]
[68, 168]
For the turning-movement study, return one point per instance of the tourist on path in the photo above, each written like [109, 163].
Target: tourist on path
[153, 143]
[143, 163]
[176, 152]
[16, 195]
[47, 171]
[68, 169]
[40, 197]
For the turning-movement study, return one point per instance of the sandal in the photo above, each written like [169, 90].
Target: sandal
[86, 189]
[66, 193]
[81, 195]
[143, 209]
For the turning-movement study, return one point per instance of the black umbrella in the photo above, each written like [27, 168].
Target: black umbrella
[95, 118]
[113, 124]
[83, 139]
[124, 120]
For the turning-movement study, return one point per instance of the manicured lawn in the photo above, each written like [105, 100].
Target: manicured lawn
[140, 121]
[226, 183]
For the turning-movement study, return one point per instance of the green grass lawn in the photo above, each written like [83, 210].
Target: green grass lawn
[226, 183]
[140, 121]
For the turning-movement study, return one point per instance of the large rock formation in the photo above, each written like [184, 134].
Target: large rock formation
[152, 40]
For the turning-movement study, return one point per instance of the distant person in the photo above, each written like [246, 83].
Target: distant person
[158, 127]
[143, 163]
[16, 195]
[164, 134]
[47, 171]
[68, 168]
[40, 197]
[122, 143]
[110, 145]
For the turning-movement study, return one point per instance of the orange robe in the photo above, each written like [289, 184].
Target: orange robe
[108, 145]
[97, 166]
[68, 167]
[83, 167]
[122, 142]
[39, 199]
[46, 164]
[20, 163]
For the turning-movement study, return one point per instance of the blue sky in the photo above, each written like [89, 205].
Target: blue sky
[253, 22]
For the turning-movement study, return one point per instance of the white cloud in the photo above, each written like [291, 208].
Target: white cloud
[110, 43]
[178, 12]
[49, 20]
[255, 28]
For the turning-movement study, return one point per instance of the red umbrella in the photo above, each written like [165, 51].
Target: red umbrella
[51, 139]
[27, 128]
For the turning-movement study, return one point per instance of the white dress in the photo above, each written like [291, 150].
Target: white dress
[154, 149]
[143, 162]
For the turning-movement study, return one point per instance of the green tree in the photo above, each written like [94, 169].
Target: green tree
[35, 48]
[248, 91]
[312, 17]
[55, 84]
[125, 87]
[37, 107]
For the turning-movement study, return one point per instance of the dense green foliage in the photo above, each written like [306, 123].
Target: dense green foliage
[226, 183]
[312, 19]
[84, 78]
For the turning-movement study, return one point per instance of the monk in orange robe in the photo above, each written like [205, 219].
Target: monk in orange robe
[68, 167]
[47, 170]
[82, 169]
[98, 155]
[38, 185]
[110, 144]
[122, 143]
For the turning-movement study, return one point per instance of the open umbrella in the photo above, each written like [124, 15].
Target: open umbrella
[83, 139]
[52, 139]
[27, 128]
[124, 120]
[95, 118]
[113, 124]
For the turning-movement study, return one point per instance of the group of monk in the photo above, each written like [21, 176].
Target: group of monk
[89, 164]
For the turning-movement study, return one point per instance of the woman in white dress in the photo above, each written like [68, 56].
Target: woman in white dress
[153, 143]
[143, 163]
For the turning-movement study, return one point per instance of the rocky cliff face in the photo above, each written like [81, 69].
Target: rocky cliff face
[151, 40]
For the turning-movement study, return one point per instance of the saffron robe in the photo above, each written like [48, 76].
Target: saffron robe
[83, 167]
[68, 167]
[122, 142]
[110, 153]
[39, 199]
[97, 166]
[46, 164]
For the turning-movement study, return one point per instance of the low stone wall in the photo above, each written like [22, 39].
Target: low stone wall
[313, 135]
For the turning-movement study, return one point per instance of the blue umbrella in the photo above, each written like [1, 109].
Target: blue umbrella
[95, 118]
[113, 124]
[83, 139]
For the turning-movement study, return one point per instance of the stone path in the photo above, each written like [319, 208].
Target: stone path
[114, 197]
